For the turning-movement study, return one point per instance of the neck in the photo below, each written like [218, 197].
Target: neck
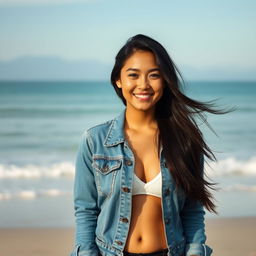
[140, 120]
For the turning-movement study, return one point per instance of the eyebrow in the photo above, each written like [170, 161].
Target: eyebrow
[135, 69]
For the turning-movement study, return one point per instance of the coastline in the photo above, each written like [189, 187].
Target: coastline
[227, 236]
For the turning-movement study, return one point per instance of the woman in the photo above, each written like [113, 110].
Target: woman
[139, 186]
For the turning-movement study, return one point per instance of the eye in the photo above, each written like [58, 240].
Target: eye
[132, 75]
[155, 75]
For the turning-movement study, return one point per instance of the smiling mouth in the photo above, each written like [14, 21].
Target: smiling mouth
[143, 96]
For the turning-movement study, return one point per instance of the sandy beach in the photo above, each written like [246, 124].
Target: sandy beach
[227, 236]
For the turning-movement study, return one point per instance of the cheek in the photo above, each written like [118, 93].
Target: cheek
[160, 89]
[127, 84]
[127, 90]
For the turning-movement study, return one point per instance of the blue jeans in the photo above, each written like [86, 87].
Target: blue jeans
[162, 252]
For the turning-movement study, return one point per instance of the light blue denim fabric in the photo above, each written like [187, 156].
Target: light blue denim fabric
[103, 198]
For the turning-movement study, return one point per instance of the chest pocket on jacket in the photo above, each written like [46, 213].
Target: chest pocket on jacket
[106, 169]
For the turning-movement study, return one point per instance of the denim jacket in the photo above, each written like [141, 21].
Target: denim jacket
[103, 198]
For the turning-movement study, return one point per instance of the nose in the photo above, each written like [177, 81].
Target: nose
[143, 82]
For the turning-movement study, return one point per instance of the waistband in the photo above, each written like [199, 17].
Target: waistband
[162, 252]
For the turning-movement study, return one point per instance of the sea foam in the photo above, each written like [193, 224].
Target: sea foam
[228, 166]
[32, 194]
[32, 171]
[231, 166]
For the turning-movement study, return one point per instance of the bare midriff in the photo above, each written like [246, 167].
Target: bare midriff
[146, 233]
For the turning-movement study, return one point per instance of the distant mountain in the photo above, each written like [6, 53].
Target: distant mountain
[56, 68]
[53, 68]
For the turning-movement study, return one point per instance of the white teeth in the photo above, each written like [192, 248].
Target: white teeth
[143, 96]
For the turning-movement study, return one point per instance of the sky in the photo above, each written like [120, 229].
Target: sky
[201, 34]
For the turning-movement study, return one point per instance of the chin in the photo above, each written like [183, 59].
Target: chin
[145, 109]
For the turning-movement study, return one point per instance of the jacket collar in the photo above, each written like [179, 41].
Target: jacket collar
[115, 134]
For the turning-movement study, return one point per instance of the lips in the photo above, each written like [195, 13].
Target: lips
[142, 95]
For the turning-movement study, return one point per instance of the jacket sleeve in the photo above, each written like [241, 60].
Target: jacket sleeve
[85, 201]
[192, 216]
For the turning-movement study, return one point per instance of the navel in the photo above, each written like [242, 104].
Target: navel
[139, 239]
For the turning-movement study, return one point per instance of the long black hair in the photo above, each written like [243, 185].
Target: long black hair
[183, 143]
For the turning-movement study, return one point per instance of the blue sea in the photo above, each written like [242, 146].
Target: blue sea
[41, 124]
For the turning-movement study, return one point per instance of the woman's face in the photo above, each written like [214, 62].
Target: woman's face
[141, 81]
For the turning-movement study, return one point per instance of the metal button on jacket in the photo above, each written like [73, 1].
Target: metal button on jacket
[128, 162]
[105, 168]
[124, 220]
[125, 189]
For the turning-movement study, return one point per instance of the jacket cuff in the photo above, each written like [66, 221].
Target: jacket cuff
[79, 251]
[197, 249]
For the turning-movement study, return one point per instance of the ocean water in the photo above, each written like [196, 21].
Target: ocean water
[41, 124]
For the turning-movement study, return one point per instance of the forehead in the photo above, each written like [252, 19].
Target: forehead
[141, 59]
